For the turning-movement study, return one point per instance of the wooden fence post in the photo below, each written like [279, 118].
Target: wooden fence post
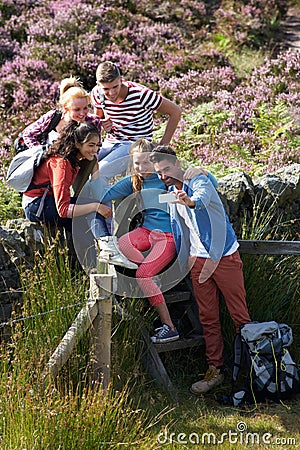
[101, 286]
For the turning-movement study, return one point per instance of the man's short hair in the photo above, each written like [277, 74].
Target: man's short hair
[107, 72]
[162, 152]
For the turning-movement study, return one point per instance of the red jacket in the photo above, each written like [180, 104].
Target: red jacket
[57, 172]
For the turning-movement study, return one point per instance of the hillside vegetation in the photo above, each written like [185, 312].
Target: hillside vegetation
[222, 61]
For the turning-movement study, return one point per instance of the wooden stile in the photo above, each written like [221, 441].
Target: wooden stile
[101, 285]
[270, 247]
[96, 316]
[97, 313]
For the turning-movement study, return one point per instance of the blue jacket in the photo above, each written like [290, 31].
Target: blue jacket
[209, 218]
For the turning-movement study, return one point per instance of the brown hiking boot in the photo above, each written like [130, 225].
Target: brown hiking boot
[212, 378]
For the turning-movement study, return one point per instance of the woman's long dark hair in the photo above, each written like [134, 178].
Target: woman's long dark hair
[72, 133]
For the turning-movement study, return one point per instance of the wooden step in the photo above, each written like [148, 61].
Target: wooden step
[177, 297]
[194, 341]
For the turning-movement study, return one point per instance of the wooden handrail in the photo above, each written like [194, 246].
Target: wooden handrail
[269, 247]
[96, 317]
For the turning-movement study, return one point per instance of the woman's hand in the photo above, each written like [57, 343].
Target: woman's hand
[192, 172]
[104, 210]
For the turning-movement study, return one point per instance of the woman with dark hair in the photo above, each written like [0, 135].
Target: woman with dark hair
[49, 199]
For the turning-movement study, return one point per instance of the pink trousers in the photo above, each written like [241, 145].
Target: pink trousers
[162, 251]
[209, 280]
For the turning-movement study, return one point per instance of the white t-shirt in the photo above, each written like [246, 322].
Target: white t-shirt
[196, 246]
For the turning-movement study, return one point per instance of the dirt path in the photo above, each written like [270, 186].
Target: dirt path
[291, 29]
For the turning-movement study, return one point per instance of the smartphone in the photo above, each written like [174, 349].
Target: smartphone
[167, 198]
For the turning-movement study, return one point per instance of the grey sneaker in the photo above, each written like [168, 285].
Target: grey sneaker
[165, 334]
[110, 253]
[212, 378]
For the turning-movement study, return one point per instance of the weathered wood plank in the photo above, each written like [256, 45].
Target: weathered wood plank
[180, 344]
[101, 285]
[64, 350]
[154, 365]
[269, 247]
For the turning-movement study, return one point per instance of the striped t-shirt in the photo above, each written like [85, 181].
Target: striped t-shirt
[133, 117]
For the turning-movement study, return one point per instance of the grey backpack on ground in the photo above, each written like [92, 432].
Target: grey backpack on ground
[271, 373]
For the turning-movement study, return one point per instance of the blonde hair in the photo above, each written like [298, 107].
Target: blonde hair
[140, 146]
[71, 88]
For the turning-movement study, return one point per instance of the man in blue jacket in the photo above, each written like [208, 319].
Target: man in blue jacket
[198, 216]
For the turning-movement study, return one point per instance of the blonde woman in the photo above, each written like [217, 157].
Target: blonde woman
[73, 104]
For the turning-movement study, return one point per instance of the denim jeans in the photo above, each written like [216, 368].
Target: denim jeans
[49, 214]
[93, 222]
[113, 159]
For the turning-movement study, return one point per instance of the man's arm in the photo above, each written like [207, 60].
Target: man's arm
[174, 112]
[99, 112]
[202, 190]
[192, 172]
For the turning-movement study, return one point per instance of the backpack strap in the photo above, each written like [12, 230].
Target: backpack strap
[237, 352]
[41, 205]
[56, 118]
[86, 168]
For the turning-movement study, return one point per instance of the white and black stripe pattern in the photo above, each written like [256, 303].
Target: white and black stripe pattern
[133, 117]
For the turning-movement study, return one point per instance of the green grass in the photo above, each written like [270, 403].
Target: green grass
[244, 61]
[10, 202]
[134, 412]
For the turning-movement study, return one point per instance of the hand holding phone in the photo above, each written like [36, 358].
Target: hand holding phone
[167, 198]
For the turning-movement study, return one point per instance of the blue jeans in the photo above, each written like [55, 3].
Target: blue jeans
[49, 214]
[82, 229]
[113, 159]
[95, 223]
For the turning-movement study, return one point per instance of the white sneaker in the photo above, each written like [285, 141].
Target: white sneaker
[110, 253]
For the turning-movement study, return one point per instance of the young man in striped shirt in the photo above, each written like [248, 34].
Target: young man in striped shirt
[126, 109]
